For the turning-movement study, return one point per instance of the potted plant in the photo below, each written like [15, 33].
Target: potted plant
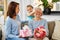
[55, 0]
[1, 11]
[48, 6]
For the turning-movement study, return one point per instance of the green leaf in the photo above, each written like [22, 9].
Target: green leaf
[1, 9]
[45, 3]
[55, 0]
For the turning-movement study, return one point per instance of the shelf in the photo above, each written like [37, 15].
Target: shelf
[55, 11]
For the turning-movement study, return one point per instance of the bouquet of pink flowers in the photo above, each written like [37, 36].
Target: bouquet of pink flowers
[39, 32]
[26, 32]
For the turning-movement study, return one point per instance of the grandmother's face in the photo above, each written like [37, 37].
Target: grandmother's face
[38, 12]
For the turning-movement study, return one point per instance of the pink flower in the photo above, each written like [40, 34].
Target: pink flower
[39, 32]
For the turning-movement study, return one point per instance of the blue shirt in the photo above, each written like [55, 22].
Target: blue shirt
[12, 29]
[34, 24]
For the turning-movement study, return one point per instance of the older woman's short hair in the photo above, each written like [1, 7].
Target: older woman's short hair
[11, 9]
[39, 10]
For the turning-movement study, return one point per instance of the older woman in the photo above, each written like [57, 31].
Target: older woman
[38, 21]
[12, 25]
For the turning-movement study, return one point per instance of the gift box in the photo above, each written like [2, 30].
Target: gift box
[25, 32]
[39, 32]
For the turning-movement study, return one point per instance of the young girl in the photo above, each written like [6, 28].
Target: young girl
[38, 21]
[30, 13]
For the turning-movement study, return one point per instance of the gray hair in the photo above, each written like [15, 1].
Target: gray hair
[37, 8]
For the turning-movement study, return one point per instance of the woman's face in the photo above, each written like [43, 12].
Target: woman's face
[38, 12]
[17, 9]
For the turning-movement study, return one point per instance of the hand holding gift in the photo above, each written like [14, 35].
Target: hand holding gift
[26, 32]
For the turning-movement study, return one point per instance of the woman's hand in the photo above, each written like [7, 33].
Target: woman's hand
[19, 36]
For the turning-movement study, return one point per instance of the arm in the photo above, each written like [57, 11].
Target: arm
[31, 14]
[18, 18]
[46, 28]
[8, 30]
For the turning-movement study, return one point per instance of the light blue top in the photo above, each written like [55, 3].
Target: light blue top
[34, 24]
[29, 18]
[11, 28]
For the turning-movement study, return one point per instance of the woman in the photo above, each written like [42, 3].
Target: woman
[12, 25]
[38, 21]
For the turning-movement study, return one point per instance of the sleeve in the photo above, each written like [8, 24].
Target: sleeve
[8, 30]
[20, 21]
[46, 28]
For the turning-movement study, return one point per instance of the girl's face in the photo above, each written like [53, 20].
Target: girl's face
[29, 9]
[38, 12]
[17, 9]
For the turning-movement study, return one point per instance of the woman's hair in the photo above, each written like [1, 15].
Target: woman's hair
[11, 9]
[30, 6]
